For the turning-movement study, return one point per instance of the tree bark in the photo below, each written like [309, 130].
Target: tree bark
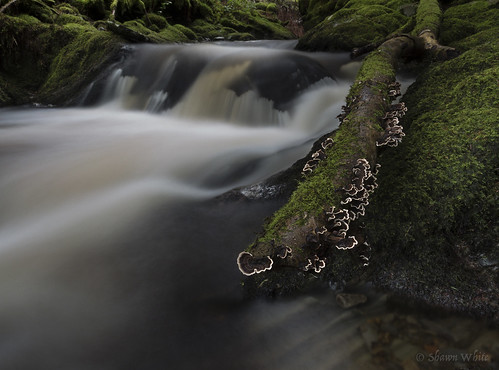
[324, 214]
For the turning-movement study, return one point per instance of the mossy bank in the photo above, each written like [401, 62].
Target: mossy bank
[433, 222]
[434, 218]
[343, 25]
[49, 50]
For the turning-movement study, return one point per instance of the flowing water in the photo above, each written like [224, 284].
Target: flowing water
[114, 252]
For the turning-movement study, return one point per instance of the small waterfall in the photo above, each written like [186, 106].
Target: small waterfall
[253, 86]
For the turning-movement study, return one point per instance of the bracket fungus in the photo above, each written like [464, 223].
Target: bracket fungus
[393, 130]
[394, 89]
[315, 264]
[283, 251]
[327, 143]
[250, 265]
[363, 184]
[317, 156]
[347, 243]
[328, 233]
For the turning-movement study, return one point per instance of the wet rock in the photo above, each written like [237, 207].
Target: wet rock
[347, 300]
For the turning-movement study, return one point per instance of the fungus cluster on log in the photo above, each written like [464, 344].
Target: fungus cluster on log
[393, 130]
[330, 232]
[334, 232]
[317, 156]
[314, 235]
[250, 265]
[315, 264]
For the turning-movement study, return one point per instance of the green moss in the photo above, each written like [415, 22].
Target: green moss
[63, 19]
[26, 51]
[465, 20]
[169, 34]
[252, 22]
[240, 36]
[314, 11]
[78, 61]
[261, 5]
[185, 32]
[440, 187]
[157, 20]
[271, 8]
[207, 30]
[35, 8]
[428, 17]
[28, 18]
[264, 28]
[378, 65]
[66, 8]
[317, 191]
[205, 11]
[354, 24]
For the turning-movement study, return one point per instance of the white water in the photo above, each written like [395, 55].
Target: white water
[103, 231]
[67, 171]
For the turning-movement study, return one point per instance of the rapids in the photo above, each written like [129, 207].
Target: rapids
[111, 252]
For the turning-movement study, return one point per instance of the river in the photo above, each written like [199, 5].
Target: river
[115, 252]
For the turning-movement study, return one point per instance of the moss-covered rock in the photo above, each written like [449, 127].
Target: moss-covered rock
[26, 53]
[464, 20]
[155, 20]
[78, 62]
[353, 24]
[434, 218]
[35, 8]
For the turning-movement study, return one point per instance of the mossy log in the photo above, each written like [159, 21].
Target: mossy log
[322, 222]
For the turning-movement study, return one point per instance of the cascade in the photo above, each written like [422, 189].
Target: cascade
[104, 219]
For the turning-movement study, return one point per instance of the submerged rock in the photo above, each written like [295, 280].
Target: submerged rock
[349, 300]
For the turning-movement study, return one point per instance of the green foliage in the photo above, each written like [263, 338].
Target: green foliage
[271, 8]
[266, 7]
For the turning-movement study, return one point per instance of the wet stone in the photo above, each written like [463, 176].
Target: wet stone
[347, 300]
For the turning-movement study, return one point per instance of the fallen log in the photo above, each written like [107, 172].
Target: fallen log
[321, 224]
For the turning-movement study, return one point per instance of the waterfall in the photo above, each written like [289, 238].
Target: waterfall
[91, 243]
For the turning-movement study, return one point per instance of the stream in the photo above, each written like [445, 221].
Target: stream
[117, 253]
